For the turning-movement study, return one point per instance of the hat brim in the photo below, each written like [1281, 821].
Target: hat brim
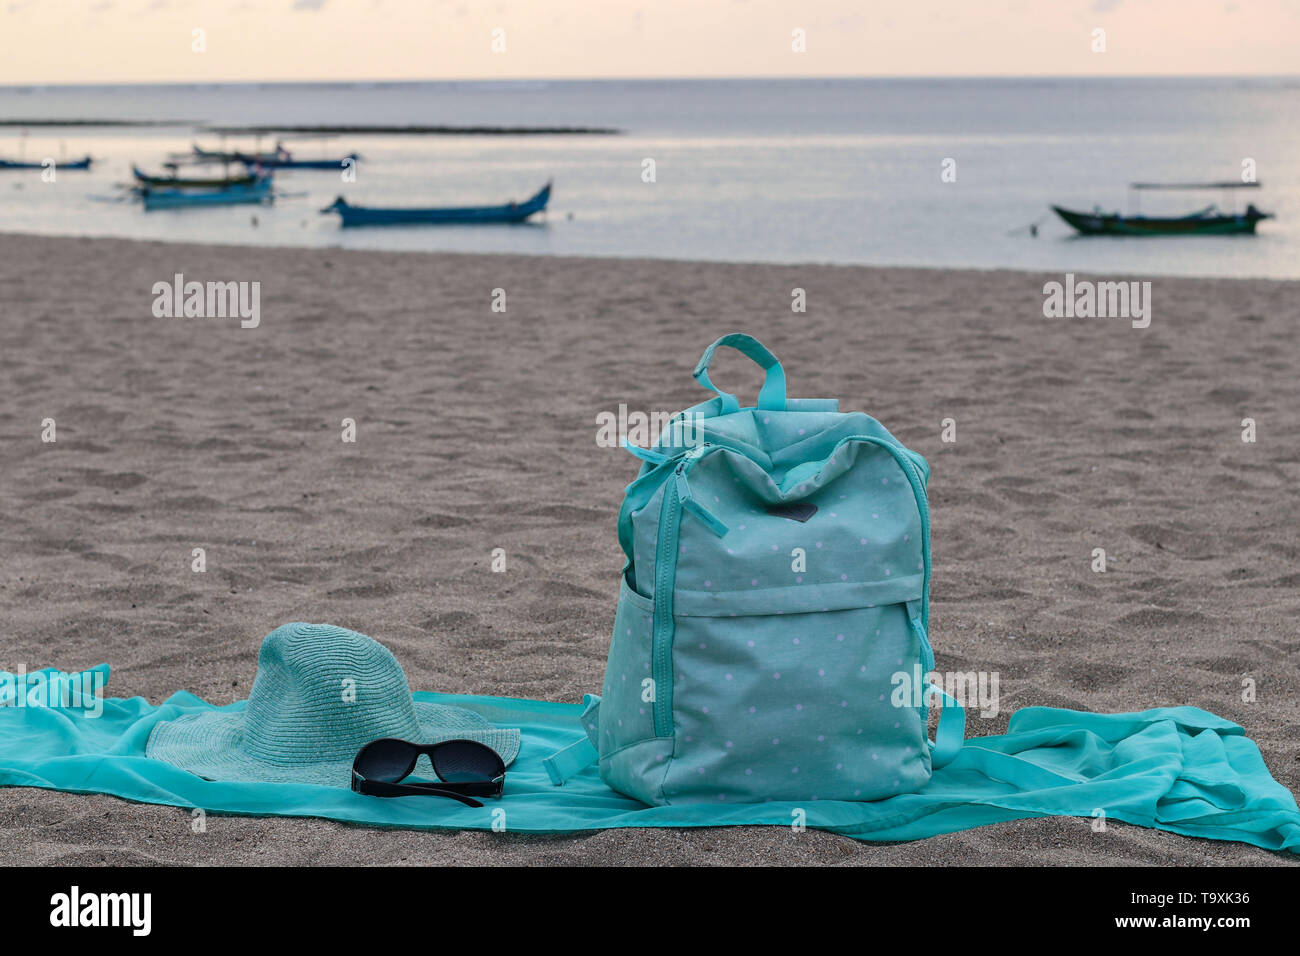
[211, 745]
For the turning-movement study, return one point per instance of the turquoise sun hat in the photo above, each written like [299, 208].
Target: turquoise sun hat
[321, 694]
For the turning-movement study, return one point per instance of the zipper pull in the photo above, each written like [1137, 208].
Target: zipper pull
[914, 612]
[688, 500]
[654, 457]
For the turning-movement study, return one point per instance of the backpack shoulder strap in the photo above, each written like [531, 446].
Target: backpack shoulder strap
[570, 761]
[950, 735]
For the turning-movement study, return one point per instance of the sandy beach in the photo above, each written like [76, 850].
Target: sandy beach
[477, 430]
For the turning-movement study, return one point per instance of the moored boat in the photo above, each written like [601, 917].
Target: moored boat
[443, 215]
[286, 161]
[58, 164]
[1206, 222]
[200, 155]
[278, 158]
[176, 181]
[1210, 221]
[259, 191]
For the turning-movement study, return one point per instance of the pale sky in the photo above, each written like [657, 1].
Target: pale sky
[88, 41]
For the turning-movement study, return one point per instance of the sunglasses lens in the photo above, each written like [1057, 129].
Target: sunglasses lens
[462, 761]
[387, 760]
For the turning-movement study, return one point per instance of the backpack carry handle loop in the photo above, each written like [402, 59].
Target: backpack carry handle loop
[772, 395]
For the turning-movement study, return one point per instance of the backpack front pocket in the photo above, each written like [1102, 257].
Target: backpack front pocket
[627, 699]
[796, 706]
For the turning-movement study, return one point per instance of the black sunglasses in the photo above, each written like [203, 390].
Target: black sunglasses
[465, 769]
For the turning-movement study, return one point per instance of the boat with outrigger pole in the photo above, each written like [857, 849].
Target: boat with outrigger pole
[511, 212]
[1209, 221]
[257, 192]
[174, 180]
[61, 165]
[278, 158]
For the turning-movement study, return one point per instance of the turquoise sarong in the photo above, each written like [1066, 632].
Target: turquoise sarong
[1173, 768]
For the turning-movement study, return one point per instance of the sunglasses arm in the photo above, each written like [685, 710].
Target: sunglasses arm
[376, 788]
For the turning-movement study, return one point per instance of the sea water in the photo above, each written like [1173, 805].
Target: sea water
[923, 172]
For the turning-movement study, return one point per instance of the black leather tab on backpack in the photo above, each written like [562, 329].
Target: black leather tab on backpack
[795, 511]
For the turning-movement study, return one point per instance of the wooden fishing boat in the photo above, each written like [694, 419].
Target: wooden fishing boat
[60, 165]
[1210, 221]
[1206, 222]
[200, 155]
[286, 161]
[445, 215]
[278, 158]
[176, 181]
[259, 191]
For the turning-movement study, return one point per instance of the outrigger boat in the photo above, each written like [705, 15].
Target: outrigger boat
[1210, 221]
[58, 164]
[444, 215]
[176, 181]
[288, 162]
[201, 155]
[279, 158]
[259, 191]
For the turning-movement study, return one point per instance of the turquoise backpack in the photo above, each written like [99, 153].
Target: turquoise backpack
[773, 610]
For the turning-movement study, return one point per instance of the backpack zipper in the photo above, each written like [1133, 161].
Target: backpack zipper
[677, 495]
[670, 516]
[684, 491]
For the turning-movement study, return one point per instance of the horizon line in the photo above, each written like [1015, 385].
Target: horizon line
[392, 81]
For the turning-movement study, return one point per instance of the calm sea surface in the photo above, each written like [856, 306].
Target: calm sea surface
[843, 171]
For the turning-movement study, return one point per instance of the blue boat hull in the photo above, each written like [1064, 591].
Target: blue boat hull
[71, 164]
[463, 215]
[183, 198]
